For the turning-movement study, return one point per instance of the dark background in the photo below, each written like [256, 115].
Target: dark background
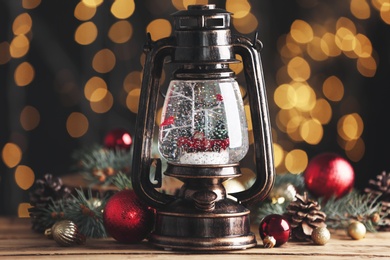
[53, 48]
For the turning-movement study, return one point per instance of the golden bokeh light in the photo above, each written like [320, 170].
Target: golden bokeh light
[345, 39]
[86, 33]
[179, 4]
[315, 50]
[385, 12]
[346, 24]
[30, 4]
[296, 161]
[298, 69]
[278, 154]
[5, 56]
[366, 66]
[248, 117]
[306, 97]
[301, 31]
[104, 61]
[92, 85]
[360, 9]
[311, 131]
[104, 103]
[285, 96]
[328, 45]
[239, 9]
[363, 46]
[24, 177]
[24, 74]
[11, 155]
[19, 46]
[322, 111]
[23, 210]
[247, 24]
[84, 12]
[22, 24]
[159, 28]
[132, 100]
[350, 127]
[120, 32]
[333, 88]
[92, 3]
[356, 152]
[29, 118]
[77, 124]
[132, 81]
[238, 66]
[122, 9]
[99, 94]
[293, 127]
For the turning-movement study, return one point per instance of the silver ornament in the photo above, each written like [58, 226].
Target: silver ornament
[66, 233]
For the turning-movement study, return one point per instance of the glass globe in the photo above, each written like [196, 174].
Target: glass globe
[203, 122]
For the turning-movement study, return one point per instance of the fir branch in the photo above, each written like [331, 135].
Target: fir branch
[86, 212]
[296, 180]
[99, 164]
[45, 217]
[122, 181]
[353, 206]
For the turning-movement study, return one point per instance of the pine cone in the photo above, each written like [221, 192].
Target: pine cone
[304, 216]
[47, 190]
[379, 189]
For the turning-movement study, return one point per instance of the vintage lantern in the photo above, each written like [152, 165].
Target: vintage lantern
[203, 133]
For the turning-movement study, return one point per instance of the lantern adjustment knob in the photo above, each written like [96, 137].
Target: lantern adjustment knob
[205, 200]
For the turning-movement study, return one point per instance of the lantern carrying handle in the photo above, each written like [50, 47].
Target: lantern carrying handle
[265, 170]
[156, 54]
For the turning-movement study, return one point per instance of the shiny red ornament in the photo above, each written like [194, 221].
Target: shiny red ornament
[329, 174]
[277, 226]
[118, 138]
[126, 218]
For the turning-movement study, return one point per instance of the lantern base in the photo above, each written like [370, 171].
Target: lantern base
[181, 226]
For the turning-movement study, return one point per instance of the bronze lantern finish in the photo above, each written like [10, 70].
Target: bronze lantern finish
[202, 216]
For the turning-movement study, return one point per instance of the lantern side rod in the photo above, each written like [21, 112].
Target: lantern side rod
[156, 52]
[265, 169]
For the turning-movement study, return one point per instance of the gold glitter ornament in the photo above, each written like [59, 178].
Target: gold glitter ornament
[65, 233]
[357, 230]
[320, 235]
[269, 242]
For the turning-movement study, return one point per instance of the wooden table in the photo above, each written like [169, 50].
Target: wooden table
[18, 241]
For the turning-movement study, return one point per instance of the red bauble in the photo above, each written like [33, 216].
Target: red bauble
[329, 174]
[277, 226]
[118, 138]
[126, 218]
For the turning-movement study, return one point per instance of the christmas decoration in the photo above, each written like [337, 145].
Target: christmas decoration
[66, 233]
[46, 191]
[380, 194]
[329, 174]
[275, 226]
[356, 230]
[100, 165]
[320, 235]
[86, 212]
[352, 207]
[126, 218]
[269, 242]
[118, 138]
[304, 215]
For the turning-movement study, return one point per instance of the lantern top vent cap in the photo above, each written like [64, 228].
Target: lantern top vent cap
[197, 10]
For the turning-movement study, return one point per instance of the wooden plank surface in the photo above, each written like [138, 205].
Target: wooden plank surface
[18, 241]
